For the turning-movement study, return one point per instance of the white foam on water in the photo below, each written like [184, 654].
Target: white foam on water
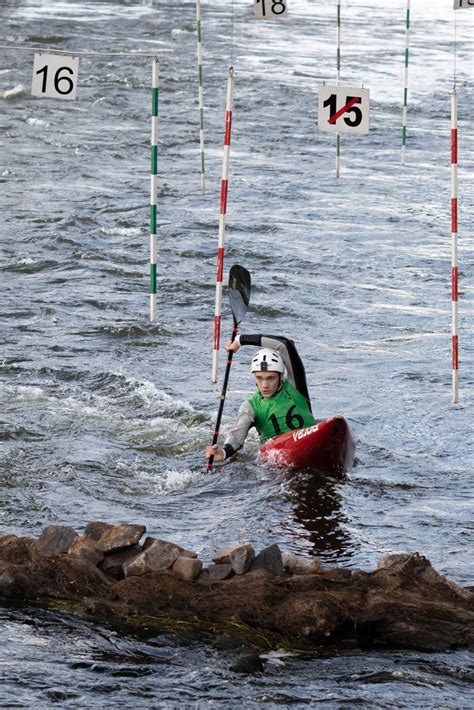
[276, 658]
[169, 480]
[36, 122]
[121, 231]
[159, 426]
[79, 12]
[17, 92]
[25, 392]
[152, 395]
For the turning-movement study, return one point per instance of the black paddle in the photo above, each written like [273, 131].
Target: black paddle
[239, 297]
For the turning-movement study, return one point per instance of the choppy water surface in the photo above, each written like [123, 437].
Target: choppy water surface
[105, 416]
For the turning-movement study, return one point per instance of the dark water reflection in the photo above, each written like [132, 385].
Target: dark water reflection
[317, 507]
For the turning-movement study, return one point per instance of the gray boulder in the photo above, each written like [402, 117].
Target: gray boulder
[96, 529]
[295, 564]
[248, 663]
[188, 568]
[239, 557]
[119, 536]
[219, 572]
[112, 564]
[270, 560]
[158, 557]
[84, 546]
[56, 539]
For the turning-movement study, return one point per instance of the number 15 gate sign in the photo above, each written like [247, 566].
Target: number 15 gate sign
[343, 109]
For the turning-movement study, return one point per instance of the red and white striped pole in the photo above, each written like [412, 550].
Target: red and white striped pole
[454, 243]
[222, 218]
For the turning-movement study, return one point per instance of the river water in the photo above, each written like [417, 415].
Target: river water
[105, 416]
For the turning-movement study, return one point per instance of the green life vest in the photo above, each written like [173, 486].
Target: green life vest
[286, 410]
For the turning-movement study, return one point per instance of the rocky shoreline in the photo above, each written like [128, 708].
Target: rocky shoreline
[279, 597]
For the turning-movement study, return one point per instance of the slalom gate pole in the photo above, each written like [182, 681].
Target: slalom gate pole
[222, 218]
[405, 91]
[153, 184]
[200, 95]
[454, 244]
[338, 79]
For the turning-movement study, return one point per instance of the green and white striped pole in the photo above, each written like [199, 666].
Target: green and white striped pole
[338, 79]
[153, 183]
[405, 92]
[200, 94]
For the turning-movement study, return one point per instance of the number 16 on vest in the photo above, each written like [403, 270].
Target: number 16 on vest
[55, 76]
[343, 109]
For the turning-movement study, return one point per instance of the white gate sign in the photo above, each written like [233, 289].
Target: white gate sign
[461, 4]
[55, 76]
[343, 109]
[268, 9]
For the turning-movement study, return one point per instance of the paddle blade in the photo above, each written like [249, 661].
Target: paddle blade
[239, 292]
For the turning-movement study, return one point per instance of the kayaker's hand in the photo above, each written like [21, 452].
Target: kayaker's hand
[234, 346]
[216, 451]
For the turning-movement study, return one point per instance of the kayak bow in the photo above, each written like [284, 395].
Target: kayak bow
[328, 446]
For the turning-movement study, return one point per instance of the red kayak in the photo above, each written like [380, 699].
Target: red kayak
[328, 446]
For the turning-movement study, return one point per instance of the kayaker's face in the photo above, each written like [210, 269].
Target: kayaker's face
[267, 383]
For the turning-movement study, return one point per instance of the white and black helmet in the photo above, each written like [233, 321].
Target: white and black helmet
[268, 360]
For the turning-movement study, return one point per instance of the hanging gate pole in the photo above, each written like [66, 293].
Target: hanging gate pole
[405, 92]
[153, 184]
[454, 243]
[338, 79]
[200, 95]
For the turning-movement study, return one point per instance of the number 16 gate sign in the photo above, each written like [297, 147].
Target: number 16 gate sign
[55, 76]
[343, 109]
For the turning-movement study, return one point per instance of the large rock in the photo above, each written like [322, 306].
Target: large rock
[119, 536]
[222, 556]
[188, 568]
[84, 546]
[158, 557]
[96, 529]
[17, 550]
[269, 559]
[239, 557]
[112, 564]
[296, 564]
[248, 663]
[13, 583]
[216, 573]
[56, 539]
[64, 577]
[184, 553]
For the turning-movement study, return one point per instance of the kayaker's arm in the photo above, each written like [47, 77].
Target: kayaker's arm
[238, 431]
[286, 348]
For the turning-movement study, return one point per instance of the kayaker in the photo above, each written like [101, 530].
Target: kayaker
[280, 403]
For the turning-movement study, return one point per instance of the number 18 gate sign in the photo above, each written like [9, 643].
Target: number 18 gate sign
[343, 109]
